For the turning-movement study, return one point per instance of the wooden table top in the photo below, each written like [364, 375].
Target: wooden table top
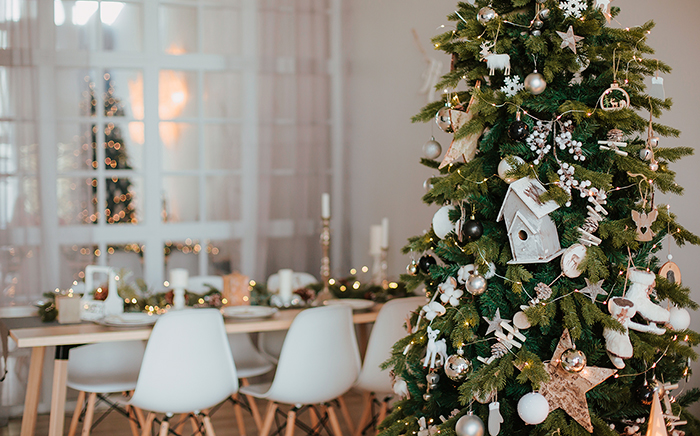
[88, 332]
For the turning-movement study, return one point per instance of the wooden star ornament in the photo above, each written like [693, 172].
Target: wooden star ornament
[569, 39]
[464, 147]
[592, 290]
[567, 390]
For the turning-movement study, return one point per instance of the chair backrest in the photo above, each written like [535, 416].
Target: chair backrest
[319, 360]
[105, 359]
[188, 364]
[270, 344]
[387, 330]
[199, 284]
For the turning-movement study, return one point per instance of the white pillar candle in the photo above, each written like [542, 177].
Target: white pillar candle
[325, 205]
[385, 233]
[375, 239]
[285, 276]
[179, 278]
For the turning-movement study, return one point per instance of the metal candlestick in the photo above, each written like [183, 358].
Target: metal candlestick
[325, 294]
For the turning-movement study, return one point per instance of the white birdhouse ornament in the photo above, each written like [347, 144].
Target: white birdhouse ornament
[532, 234]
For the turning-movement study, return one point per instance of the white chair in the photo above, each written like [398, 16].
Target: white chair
[319, 362]
[187, 368]
[95, 370]
[270, 344]
[387, 330]
[249, 361]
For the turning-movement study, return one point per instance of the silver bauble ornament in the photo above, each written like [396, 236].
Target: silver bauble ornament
[541, 1]
[432, 386]
[653, 166]
[427, 396]
[476, 284]
[654, 141]
[534, 82]
[427, 185]
[544, 14]
[412, 268]
[432, 149]
[504, 167]
[432, 377]
[457, 367]
[537, 24]
[486, 14]
[573, 360]
[470, 425]
[536, 32]
[645, 154]
[443, 119]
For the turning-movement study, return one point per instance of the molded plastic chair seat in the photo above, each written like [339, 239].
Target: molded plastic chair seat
[105, 367]
[249, 362]
[387, 330]
[188, 367]
[319, 362]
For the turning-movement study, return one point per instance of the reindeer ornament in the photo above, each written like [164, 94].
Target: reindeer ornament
[436, 351]
[494, 61]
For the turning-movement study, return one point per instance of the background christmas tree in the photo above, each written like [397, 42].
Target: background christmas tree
[548, 224]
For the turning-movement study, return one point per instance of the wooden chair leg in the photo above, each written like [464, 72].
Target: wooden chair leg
[238, 412]
[208, 428]
[195, 425]
[181, 423]
[139, 416]
[148, 424]
[164, 426]
[133, 421]
[382, 413]
[366, 416]
[291, 422]
[313, 415]
[346, 414]
[269, 418]
[253, 406]
[89, 414]
[333, 418]
[76, 415]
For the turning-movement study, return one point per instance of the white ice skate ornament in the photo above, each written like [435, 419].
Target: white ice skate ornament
[450, 293]
[638, 292]
[618, 344]
[426, 430]
[436, 351]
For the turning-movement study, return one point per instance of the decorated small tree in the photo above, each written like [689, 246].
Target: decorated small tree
[549, 309]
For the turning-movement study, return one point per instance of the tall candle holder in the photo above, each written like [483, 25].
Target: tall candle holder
[325, 294]
[383, 268]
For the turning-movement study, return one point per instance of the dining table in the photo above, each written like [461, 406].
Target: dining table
[32, 333]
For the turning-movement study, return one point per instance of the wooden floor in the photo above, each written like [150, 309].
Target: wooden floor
[223, 420]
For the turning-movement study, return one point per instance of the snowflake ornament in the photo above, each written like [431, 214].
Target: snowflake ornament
[564, 141]
[573, 8]
[537, 140]
[450, 293]
[512, 86]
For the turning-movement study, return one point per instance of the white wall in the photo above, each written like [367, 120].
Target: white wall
[385, 148]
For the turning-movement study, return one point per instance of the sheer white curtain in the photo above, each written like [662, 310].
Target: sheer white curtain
[20, 204]
[292, 144]
[295, 131]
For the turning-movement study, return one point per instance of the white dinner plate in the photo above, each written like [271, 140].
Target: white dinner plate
[354, 303]
[131, 319]
[248, 312]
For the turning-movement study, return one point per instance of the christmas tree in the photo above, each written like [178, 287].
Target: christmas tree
[119, 207]
[549, 309]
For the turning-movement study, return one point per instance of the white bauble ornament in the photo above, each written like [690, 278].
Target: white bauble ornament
[432, 149]
[679, 319]
[504, 167]
[535, 83]
[442, 225]
[533, 408]
[485, 15]
[470, 425]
